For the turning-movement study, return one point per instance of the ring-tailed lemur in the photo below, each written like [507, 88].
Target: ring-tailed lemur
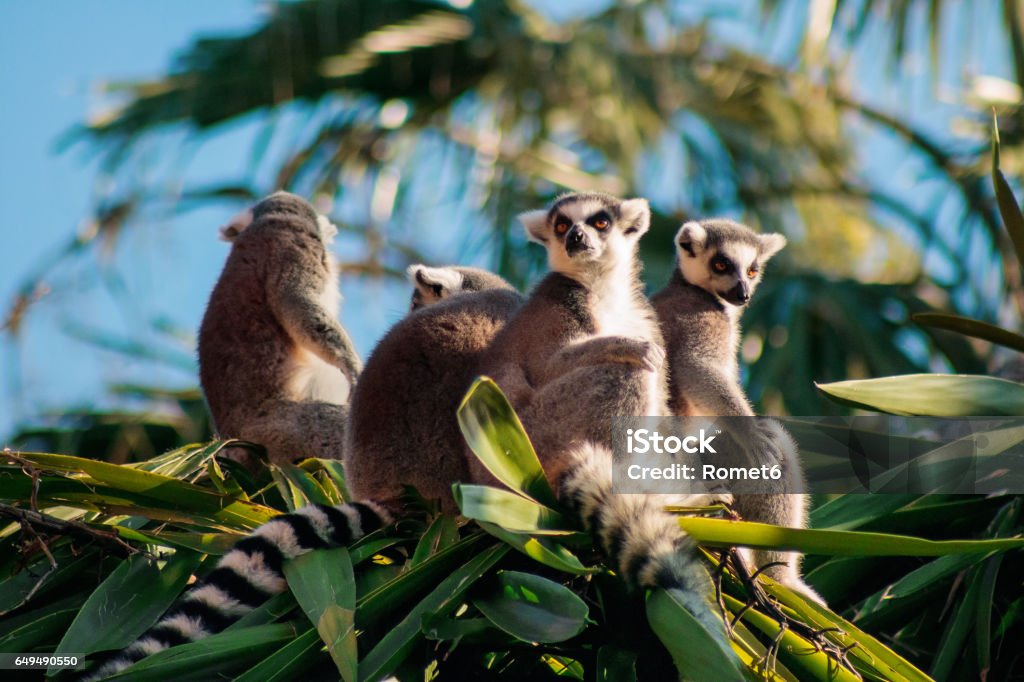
[402, 427]
[720, 263]
[275, 365]
[585, 347]
[442, 337]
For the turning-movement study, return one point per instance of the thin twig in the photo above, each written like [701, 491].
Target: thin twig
[33, 521]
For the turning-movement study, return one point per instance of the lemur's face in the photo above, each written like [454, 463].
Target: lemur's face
[725, 258]
[584, 231]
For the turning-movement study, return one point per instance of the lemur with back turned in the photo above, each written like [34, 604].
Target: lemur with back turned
[720, 263]
[414, 381]
[275, 364]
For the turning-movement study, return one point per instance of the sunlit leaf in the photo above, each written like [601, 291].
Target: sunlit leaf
[533, 609]
[932, 395]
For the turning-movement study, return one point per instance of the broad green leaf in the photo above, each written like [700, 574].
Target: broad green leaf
[496, 436]
[443, 628]
[130, 600]
[932, 395]
[1009, 209]
[363, 550]
[958, 630]
[175, 493]
[298, 487]
[204, 659]
[287, 663]
[208, 543]
[969, 327]
[547, 550]
[38, 579]
[324, 584]
[334, 469]
[698, 654]
[273, 609]
[847, 512]
[723, 533]
[931, 574]
[26, 631]
[533, 609]
[182, 462]
[563, 666]
[392, 649]
[442, 533]
[226, 485]
[382, 601]
[508, 510]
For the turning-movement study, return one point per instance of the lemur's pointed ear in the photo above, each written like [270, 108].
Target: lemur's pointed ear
[434, 281]
[236, 226]
[771, 244]
[691, 238]
[636, 215]
[536, 224]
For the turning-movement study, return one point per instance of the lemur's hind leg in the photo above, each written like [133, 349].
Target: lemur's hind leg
[291, 431]
[782, 504]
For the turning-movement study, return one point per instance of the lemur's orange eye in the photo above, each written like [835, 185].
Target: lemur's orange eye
[719, 266]
[561, 226]
[602, 223]
[752, 273]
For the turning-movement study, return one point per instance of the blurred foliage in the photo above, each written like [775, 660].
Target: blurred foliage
[411, 120]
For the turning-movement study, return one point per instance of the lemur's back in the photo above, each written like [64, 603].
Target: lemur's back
[402, 423]
[240, 337]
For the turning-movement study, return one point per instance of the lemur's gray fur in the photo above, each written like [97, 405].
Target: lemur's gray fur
[402, 426]
[275, 364]
[586, 347]
[720, 263]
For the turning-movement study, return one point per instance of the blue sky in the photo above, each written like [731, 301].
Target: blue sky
[55, 55]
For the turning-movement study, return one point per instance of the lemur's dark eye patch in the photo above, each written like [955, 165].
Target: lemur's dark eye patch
[721, 265]
[562, 225]
[600, 220]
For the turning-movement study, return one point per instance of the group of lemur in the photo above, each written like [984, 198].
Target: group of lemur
[277, 369]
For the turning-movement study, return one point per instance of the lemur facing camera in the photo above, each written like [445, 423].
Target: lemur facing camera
[413, 382]
[720, 263]
[275, 365]
[586, 347]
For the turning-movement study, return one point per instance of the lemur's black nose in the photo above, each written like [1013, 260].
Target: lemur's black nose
[576, 240]
[738, 295]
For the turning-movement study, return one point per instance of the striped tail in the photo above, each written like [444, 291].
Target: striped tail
[248, 575]
[639, 537]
